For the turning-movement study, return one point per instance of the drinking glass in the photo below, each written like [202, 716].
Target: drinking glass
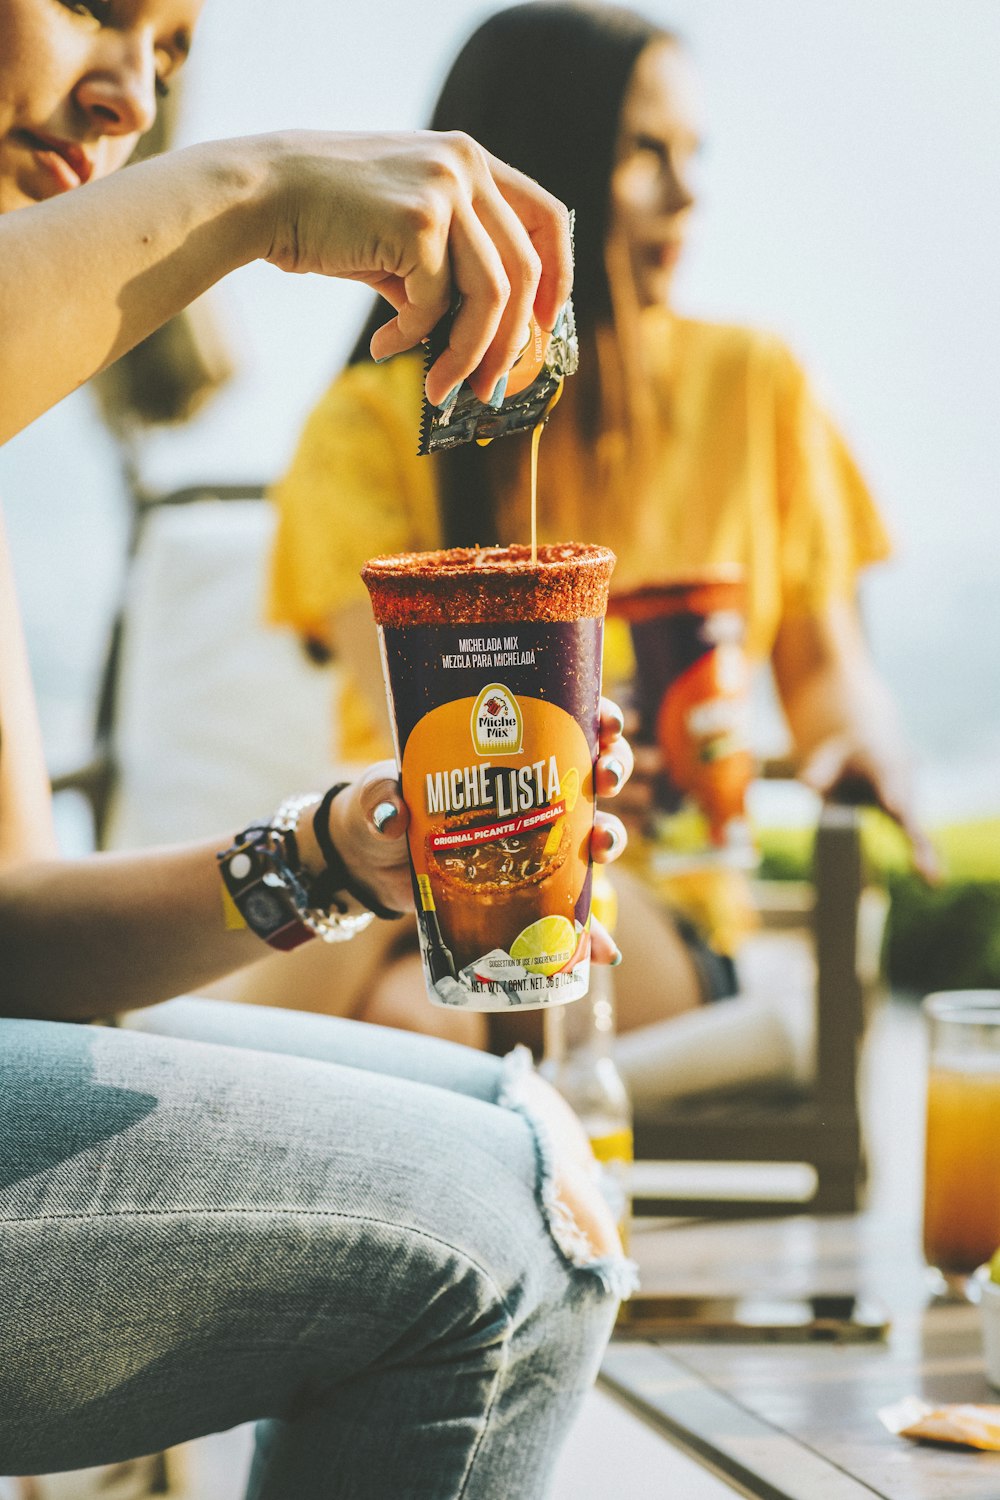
[962, 1170]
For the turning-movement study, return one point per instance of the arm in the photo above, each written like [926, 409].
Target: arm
[100, 935]
[95, 936]
[843, 719]
[89, 938]
[134, 249]
[418, 217]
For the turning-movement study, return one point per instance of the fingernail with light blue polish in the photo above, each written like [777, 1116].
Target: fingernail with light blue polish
[384, 814]
[616, 841]
[450, 399]
[496, 400]
[614, 768]
[616, 960]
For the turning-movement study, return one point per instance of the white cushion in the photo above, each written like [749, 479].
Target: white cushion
[219, 715]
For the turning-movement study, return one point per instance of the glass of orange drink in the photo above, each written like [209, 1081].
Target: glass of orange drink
[962, 1163]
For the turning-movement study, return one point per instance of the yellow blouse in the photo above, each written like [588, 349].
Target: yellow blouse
[745, 467]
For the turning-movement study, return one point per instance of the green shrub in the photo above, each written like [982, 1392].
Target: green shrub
[947, 937]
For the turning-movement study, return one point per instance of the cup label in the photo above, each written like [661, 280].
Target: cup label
[692, 677]
[496, 735]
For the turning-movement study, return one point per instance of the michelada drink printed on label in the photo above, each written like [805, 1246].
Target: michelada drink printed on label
[493, 668]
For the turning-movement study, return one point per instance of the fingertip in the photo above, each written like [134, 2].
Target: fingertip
[612, 720]
[444, 380]
[390, 820]
[381, 800]
[554, 290]
[383, 814]
[927, 862]
[609, 839]
[614, 770]
[550, 300]
[385, 341]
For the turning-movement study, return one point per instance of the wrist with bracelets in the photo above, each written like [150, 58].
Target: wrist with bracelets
[277, 897]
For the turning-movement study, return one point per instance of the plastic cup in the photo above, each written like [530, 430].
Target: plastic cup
[492, 667]
[691, 693]
[962, 1162]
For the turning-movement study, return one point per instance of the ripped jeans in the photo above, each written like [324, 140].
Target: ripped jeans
[324, 1227]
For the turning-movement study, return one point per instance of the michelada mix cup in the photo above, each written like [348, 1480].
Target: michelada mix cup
[691, 692]
[691, 686]
[492, 666]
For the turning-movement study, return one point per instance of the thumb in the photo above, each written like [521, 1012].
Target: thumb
[380, 801]
[822, 768]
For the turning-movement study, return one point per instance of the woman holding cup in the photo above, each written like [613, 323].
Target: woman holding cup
[683, 445]
[219, 1216]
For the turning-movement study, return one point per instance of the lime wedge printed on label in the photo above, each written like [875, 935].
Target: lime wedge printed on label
[546, 946]
[569, 791]
[569, 788]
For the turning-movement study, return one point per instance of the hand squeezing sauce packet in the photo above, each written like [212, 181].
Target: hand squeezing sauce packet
[533, 387]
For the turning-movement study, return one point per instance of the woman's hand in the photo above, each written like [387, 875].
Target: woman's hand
[425, 219]
[844, 769]
[843, 721]
[368, 824]
[369, 819]
[615, 764]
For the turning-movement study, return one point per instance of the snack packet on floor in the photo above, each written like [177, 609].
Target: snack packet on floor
[971, 1425]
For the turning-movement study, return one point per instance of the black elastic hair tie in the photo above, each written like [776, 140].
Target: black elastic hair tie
[335, 877]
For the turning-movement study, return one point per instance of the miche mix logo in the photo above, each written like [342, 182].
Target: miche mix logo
[497, 726]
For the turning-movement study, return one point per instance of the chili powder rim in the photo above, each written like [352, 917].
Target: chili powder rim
[490, 585]
[703, 592]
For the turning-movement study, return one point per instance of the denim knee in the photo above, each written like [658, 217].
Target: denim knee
[574, 1223]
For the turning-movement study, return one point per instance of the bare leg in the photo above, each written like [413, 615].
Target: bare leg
[371, 979]
[658, 977]
[399, 999]
[334, 979]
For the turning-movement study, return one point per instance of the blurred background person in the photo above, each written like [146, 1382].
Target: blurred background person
[683, 444]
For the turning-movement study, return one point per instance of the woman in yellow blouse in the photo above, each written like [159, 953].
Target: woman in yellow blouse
[682, 444]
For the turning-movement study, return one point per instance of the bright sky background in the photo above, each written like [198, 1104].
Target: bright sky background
[851, 202]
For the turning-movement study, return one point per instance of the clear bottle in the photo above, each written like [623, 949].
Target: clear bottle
[578, 1060]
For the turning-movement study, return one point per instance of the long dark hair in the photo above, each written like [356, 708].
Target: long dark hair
[541, 86]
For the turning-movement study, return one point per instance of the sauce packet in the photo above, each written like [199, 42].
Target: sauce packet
[533, 387]
[972, 1426]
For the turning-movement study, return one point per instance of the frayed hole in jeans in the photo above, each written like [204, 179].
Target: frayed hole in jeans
[617, 1274]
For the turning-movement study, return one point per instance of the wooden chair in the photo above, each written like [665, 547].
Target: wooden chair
[818, 1124]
